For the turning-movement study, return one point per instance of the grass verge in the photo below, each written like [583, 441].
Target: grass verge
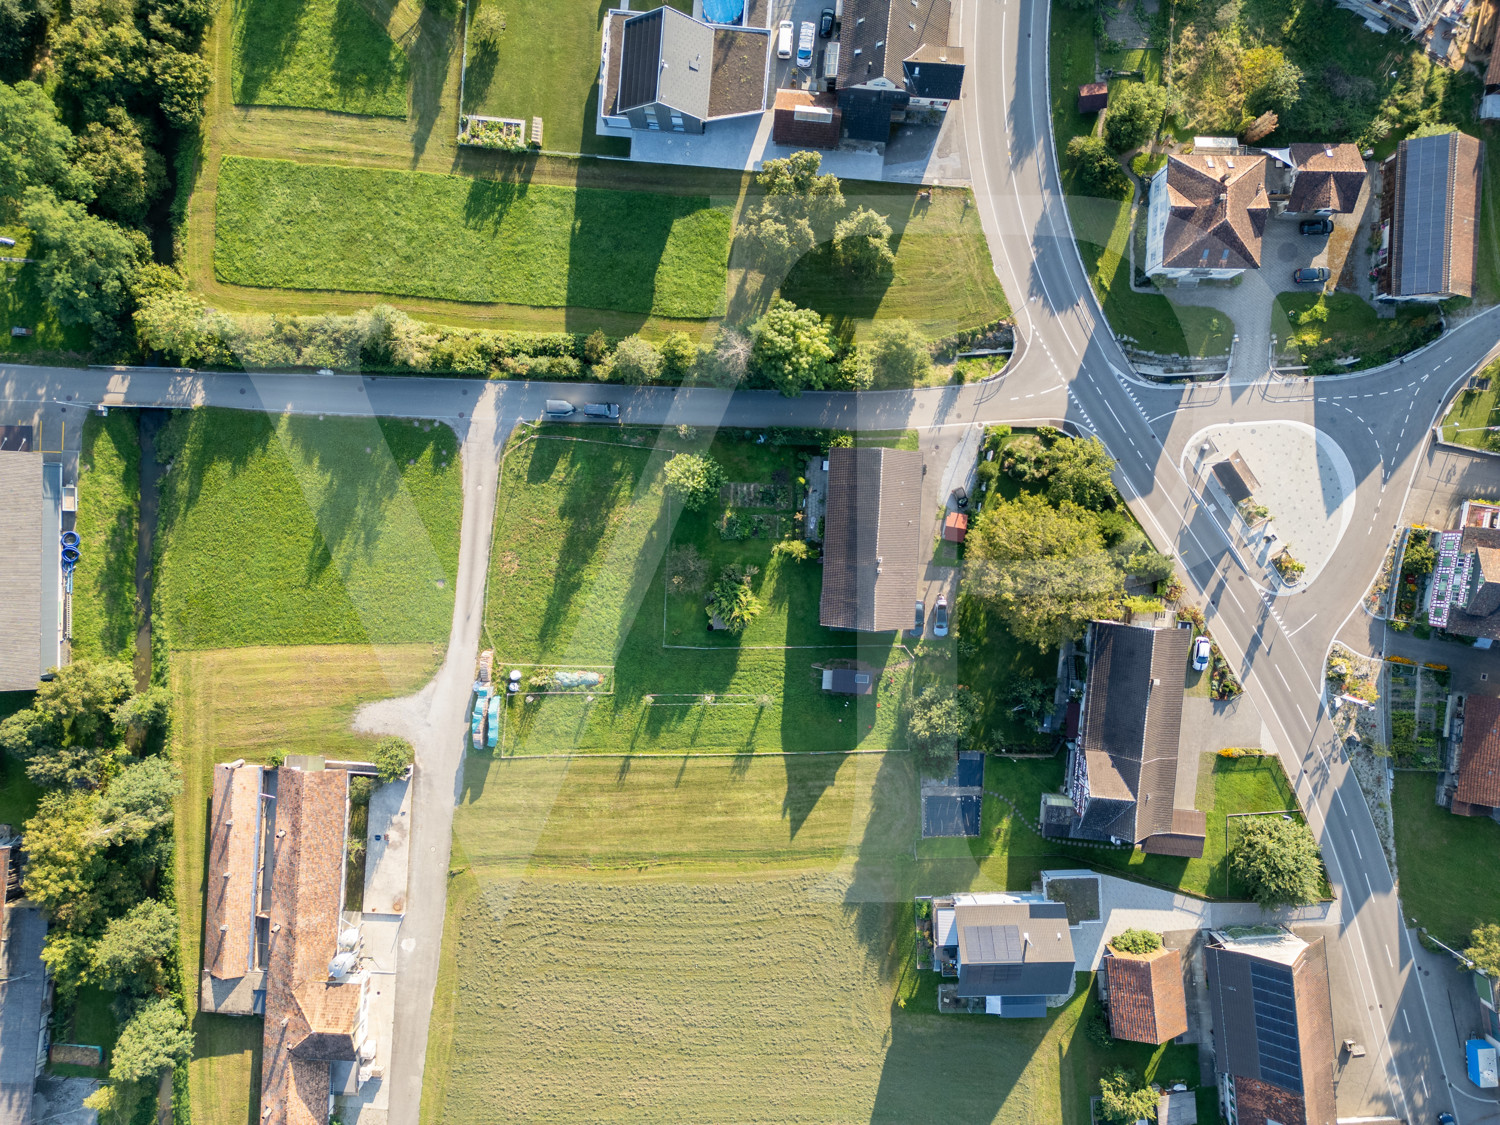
[246, 703]
[1469, 419]
[105, 615]
[278, 530]
[1449, 898]
[319, 226]
[1324, 328]
[319, 54]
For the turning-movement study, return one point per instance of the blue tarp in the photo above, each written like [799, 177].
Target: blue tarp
[723, 11]
[970, 769]
[950, 816]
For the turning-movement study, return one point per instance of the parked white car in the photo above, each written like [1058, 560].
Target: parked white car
[784, 39]
[1202, 650]
[805, 40]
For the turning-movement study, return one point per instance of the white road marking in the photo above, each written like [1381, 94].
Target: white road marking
[1391, 963]
[1406, 1021]
[1359, 853]
[1282, 678]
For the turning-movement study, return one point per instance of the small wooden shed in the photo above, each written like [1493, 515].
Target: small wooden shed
[955, 527]
[1093, 97]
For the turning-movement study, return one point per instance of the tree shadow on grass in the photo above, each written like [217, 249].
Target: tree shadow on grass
[265, 38]
[365, 60]
[483, 60]
[429, 48]
[817, 282]
[616, 249]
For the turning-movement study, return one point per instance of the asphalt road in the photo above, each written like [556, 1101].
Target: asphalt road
[1067, 366]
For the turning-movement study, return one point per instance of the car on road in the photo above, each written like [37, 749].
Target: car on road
[825, 23]
[940, 617]
[1445, 1118]
[1202, 650]
[602, 409]
[916, 630]
[558, 408]
[1316, 226]
[805, 40]
[961, 496]
[784, 32]
[1309, 274]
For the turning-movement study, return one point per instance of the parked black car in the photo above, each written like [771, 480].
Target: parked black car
[825, 23]
[916, 630]
[961, 496]
[1316, 226]
[1308, 274]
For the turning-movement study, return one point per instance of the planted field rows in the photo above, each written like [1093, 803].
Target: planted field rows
[303, 226]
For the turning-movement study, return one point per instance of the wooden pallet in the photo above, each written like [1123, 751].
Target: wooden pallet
[536, 130]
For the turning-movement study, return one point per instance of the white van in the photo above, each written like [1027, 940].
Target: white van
[784, 40]
[558, 408]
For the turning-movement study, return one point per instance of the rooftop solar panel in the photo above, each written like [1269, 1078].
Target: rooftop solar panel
[993, 944]
[1424, 218]
[1276, 1025]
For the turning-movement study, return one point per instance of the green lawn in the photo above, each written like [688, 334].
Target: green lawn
[1009, 852]
[23, 306]
[246, 703]
[321, 226]
[104, 610]
[318, 54]
[93, 1024]
[999, 661]
[1473, 412]
[298, 530]
[1102, 224]
[1440, 889]
[944, 278]
[1351, 328]
[581, 529]
[672, 940]
[546, 65]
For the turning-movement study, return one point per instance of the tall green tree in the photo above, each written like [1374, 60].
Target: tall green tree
[102, 57]
[36, 149]
[139, 801]
[86, 263]
[181, 80]
[1278, 861]
[127, 172]
[130, 955]
[1095, 170]
[1134, 114]
[939, 719]
[1484, 949]
[862, 244]
[776, 240]
[694, 479]
[23, 25]
[153, 1037]
[636, 360]
[1124, 1099]
[793, 349]
[899, 352]
[1269, 81]
[65, 859]
[800, 191]
[1079, 472]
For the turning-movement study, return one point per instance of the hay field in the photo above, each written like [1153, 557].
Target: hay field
[708, 940]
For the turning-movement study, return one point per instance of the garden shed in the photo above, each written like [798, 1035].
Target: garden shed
[955, 527]
[1093, 97]
[848, 681]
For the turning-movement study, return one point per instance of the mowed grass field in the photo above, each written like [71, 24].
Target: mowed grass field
[1449, 898]
[667, 942]
[321, 226]
[296, 530]
[105, 616]
[581, 530]
[247, 703]
[317, 54]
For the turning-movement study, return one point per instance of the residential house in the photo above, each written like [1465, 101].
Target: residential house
[1014, 952]
[25, 995]
[664, 70]
[277, 941]
[806, 120]
[1273, 1027]
[1147, 1003]
[1126, 781]
[1326, 179]
[1477, 791]
[895, 56]
[1463, 595]
[872, 539]
[1430, 218]
[1207, 216]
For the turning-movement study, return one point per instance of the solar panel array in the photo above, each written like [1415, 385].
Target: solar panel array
[993, 944]
[1276, 1025]
[1424, 214]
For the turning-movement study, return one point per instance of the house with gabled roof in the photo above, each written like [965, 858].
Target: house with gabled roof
[664, 70]
[1012, 952]
[1147, 1003]
[872, 539]
[25, 994]
[1326, 179]
[895, 55]
[1477, 788]
[1207, 216]
[1272, 1026]
[1125, 779]
[1429, 218]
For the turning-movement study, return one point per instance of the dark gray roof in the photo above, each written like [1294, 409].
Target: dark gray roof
[23, 995]
[667, 58]
[1235, 478]
[1014, 949]
[1436, 215]
[1131, 723]
[872, 539]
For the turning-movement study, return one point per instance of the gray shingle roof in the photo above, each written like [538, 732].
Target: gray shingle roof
[872, 539]
[1014, 949]
[1131, 724]
[877, 36]
[23, 994]
[21, 571]
[667, 57]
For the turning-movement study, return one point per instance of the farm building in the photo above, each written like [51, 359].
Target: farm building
[30, 569]
[872, 539]
[1125, 778]
[1429, 215]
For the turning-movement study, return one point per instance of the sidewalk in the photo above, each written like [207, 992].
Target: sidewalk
[1454, 1009]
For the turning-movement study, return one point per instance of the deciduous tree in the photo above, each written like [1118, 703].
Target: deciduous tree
[130, 954]
[1484, 948]
[1094, 167]
[862, 244]
[153, 1037]
[899, 353]
[1124, 1099]
[86, 263]
[792, 348]
[36, 149]
[636, 360]
[127, 172]
[1278, 862]
[800, 191]
[694, 479]
[393, 756]
[1134, 114]
[939, 719]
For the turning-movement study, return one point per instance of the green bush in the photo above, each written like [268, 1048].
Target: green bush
[392, 758]
[1136, 941]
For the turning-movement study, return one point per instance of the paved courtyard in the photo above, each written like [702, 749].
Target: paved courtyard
[1303, 477]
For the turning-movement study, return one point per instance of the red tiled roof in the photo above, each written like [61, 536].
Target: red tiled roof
[1479, 754]
[1146, 1001]
[955, 527]
[234, 820]
[307, 895]
[1492, 72]
[1216, 211]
